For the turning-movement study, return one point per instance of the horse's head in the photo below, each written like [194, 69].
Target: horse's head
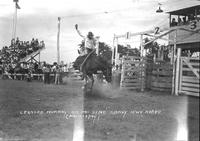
[79, 60]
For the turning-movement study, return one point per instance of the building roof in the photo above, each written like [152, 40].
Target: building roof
[186, 10]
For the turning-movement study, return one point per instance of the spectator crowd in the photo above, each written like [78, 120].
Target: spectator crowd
[30, 71]
[53, 73]
[18, 50]
[12, 67]
[11, 55]
[184, 20]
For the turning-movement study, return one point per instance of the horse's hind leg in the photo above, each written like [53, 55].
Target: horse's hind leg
[92, 83]
[85, 87]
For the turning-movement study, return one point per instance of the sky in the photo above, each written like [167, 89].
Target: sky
[38, 19]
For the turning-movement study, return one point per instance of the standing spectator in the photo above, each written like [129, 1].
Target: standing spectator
[46, 70]
[29, 78]
[48, 73]
[53, 71]
[65, 68]
[25, 66]
[1, 69]
[57, 77]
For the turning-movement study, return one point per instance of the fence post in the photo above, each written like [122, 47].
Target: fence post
[142, 62]
[174, 65]
[122, 72]
[177, 76]
[180, 75]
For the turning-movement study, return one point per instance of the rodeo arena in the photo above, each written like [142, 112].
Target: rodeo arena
[116, 92]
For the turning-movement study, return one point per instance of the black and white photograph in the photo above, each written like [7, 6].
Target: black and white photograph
[99, 70]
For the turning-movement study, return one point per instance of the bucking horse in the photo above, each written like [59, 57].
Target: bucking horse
[91, 64]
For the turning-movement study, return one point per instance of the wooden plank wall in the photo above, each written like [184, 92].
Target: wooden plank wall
[133, 73]
[189, 76]
[161, 77]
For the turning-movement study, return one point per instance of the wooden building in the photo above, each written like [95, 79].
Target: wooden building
[186, 43]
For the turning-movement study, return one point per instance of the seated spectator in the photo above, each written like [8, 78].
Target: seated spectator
[191, 17]
[180, 22]
[27, 43]
[36, 42]
[173, 23]
[17, 41]
[184, 20]
[32, 42]
[42, 45]
[20, 44]
[196, 54]
[35, 46]
[12, 42]
[30, 50]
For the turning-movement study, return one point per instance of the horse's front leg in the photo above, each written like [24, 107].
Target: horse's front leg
[86, 81]
[84, 87]
[92, 82]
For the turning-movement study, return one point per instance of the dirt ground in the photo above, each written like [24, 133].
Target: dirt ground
[33, 111]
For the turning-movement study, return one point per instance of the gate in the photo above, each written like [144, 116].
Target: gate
[189, 76]
[133, 73]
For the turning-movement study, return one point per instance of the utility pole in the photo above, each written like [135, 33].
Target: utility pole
[58, 42]
[15, 19]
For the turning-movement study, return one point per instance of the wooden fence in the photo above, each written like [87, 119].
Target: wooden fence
[18, 76]
[133, 73]
[189, 76]
[142, 73]
[161, 77]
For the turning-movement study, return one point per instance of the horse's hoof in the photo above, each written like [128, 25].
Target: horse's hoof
[89, 91]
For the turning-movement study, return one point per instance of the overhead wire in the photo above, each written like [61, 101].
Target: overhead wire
[98, 13]
[161, 23]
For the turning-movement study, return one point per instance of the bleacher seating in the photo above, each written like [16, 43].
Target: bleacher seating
[15, 57]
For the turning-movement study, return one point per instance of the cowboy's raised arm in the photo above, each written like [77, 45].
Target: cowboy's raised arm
[76, 27]
[96, 40]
